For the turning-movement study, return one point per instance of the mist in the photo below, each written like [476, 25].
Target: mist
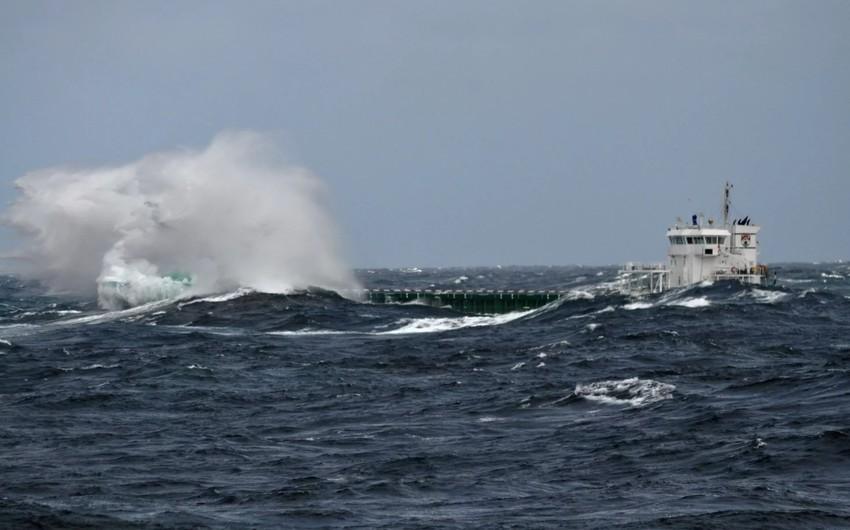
[235, 214]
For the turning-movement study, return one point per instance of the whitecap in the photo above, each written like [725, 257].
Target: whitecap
[60, 312]
[97, 366]
[579, 294]
[767, 297]
[308, 331]
[436, 324]
[692, 302]
[225, 297]
[637, 305]
[606, 309]
[633, 391]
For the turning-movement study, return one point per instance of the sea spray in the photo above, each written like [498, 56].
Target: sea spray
[235, 214]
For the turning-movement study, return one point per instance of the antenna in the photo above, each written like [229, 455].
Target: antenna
[726, 202]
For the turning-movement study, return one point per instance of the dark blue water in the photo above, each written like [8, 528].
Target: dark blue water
[717, 406]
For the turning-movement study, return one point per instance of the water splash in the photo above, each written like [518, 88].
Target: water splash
[234, 214]
[632, 391]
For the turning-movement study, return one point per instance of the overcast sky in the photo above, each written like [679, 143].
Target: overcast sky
[465, 132]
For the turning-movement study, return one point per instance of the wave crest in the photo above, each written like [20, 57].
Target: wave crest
[234, 214]
[633, 391]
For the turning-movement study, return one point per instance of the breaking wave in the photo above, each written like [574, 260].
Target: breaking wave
[633, 391]
[186, 222]
[434, 325]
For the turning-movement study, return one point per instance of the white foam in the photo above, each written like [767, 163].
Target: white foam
[434, 325]
[308, 331]
[637, 305]
[579, 294]
[60, 312]
[694, 302]
[606, 309]
[128, 287]
[233, 214]
[112, 315]
[421, 325]
[225, 297]
[97, 318]
[633, 391]
[767, 297]
[99, 366]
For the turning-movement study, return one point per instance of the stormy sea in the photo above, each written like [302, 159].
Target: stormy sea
[719, 405]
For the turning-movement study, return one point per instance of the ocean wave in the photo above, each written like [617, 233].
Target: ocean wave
[767, 297]
[437, 324]
[638, 305]
[633, 391]
[693, 302]
[224, 297]
[308, 331]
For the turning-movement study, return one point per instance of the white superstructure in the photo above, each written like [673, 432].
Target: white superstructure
[703, 250]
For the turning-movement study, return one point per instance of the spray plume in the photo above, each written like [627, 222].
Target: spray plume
[232, 215]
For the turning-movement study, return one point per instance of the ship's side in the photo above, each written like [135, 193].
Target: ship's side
[704, 253]
[703, 250]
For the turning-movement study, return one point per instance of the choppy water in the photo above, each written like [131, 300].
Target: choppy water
[713, 406]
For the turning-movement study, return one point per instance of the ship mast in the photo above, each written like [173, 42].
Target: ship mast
[726, 203]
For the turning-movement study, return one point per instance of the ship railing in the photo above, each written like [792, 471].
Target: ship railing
[644, 267]
[740, 277]
[752, 275]
[644, 278]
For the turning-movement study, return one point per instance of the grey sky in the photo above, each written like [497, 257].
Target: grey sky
[464, 133]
